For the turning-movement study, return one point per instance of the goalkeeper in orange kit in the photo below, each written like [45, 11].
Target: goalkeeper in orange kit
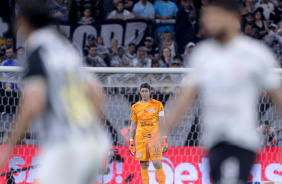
[147, 117]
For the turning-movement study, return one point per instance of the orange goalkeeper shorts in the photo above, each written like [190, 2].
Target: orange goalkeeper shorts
[147, 151]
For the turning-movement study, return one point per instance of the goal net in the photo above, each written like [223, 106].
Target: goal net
[186, 161]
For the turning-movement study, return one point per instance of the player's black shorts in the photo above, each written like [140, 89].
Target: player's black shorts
[230, 164]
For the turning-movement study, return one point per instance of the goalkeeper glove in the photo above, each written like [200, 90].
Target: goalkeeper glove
[131, 147]
[164, 145]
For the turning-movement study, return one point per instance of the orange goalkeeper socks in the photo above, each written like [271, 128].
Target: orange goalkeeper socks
[160, 175]
[145, 176]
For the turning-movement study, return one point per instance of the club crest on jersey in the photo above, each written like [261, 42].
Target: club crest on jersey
[152, 110]
[138, 155]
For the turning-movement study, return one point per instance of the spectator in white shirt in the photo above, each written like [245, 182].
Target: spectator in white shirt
[130, 54]
[120, 13]
[187, 53]
[102, 50]
[142, 60]
[172, 44]
[272, 40]
[271, 36]
[119, 60]
[114, 47]
[86, 19]
[267, 134]
[93, 60]
[267, 7]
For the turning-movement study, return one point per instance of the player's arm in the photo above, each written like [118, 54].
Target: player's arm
[133, 129]
[189, 90]
[34, 102]
[97, 96]
[182, 103]
[276, 97]
[269, 79]
[162, 123]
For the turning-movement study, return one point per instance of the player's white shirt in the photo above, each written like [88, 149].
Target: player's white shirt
[73, 145]
[230, 77]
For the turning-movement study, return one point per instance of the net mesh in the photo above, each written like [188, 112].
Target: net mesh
[185, 162]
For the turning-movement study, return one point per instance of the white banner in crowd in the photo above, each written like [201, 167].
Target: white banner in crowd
[124, 31]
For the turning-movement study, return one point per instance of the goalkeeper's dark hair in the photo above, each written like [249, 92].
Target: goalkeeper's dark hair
[36, 12]
[230, 5]
[145, 85]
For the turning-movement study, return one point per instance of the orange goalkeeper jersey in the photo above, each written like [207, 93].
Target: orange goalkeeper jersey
[147, 115]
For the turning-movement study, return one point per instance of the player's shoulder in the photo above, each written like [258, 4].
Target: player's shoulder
[204, 46]
[137, 104]
[155, 102]
[259, 52]
[256, 48]
[252, 44]
[205, 43]
[35, 56]
[201, 53]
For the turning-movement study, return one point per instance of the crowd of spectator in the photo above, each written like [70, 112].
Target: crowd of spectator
[176, 29]
[260, 20]
[169, 42]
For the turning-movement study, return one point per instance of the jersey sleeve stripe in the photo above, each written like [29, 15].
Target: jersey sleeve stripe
[161, 113]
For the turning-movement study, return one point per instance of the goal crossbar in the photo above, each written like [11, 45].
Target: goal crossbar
[107, 70]
[121, 70]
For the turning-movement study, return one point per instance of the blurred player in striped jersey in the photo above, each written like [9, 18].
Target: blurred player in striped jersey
[147, 117]
[63, 100]
[230, 71]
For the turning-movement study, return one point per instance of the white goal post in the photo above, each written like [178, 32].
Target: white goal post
[185, 162]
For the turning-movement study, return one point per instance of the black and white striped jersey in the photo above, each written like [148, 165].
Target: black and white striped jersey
[69, 110]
